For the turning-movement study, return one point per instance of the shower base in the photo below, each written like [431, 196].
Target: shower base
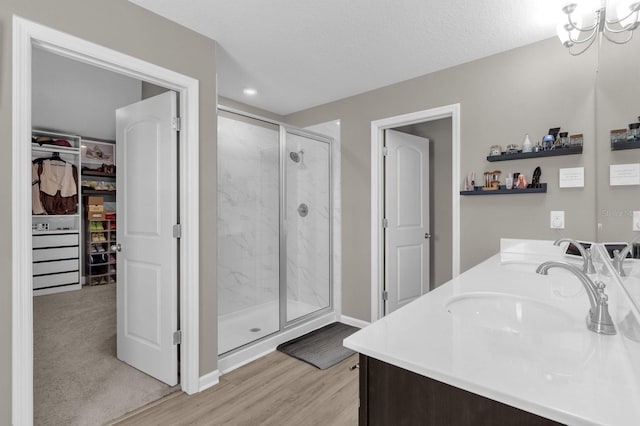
[240, 328]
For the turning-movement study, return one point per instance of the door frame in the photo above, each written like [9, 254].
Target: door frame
[377, 184]
[26, 36]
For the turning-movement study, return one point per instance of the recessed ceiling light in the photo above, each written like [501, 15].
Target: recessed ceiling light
[250, 91]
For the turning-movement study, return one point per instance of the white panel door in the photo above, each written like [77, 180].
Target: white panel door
[407, 212]
[147, 284]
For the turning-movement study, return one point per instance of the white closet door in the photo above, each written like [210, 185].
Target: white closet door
[147, 284]
[407, 235]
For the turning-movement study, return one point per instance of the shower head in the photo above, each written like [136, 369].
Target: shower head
[296, 156]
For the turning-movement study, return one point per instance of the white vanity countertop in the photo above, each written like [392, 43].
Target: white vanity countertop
[569, 374]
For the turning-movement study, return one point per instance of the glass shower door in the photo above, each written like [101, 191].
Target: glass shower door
[248, 230]
[307, 224]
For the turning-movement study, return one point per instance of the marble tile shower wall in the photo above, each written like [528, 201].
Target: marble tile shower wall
[308, 237]
[248, 215]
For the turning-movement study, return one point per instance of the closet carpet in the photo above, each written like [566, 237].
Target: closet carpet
[77, 378]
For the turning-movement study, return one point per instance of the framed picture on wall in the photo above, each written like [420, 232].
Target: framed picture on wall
[97, 153]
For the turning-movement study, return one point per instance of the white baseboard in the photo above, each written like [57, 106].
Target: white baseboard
[353, 321]
[208, 380]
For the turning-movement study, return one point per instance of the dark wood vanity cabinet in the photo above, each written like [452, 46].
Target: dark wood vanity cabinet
[390, 395]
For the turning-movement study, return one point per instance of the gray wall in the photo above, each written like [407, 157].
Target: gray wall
[502, 97]
[149, 90]
[439, 134]
[122, 26]
[72, 97]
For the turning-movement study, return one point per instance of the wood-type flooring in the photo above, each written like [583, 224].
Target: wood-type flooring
[273, 390]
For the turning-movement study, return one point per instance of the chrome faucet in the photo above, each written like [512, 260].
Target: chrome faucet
[598, 318]
[587, 257]
[618, 259]
[620, 256]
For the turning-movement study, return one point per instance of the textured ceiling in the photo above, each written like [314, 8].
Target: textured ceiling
[302, 53]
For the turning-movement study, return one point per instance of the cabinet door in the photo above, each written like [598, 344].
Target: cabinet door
[390, 395]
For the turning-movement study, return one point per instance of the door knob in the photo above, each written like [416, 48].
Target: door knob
[116, 247]
[427, 236]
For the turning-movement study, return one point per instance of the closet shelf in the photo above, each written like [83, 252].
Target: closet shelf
[56, 232]
[51, 148]
[97, 174]
[54, 216]
[97, 192]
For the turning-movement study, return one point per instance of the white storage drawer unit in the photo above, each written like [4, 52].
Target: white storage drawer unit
[56, 261]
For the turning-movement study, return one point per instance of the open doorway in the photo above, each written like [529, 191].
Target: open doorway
[431, 141]
[75, 314]
[183, 238]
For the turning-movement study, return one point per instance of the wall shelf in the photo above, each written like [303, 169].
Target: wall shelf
[523, 155]
[617, 146]
[503, 191]
[86, 191]
[97, 174]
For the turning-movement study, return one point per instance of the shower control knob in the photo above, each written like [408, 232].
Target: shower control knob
[427, 236]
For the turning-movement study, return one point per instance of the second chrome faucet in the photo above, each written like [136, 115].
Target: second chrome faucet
[586, 254]
[598, 318]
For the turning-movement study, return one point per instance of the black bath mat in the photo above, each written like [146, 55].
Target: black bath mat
[321, 348]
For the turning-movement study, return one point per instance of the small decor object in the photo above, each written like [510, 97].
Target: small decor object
[508, 182]
[618, 135]
[535, 180]
[576, 140]
[563, 141]
[491, 180]
[522, 182]
[512, 148]
[634, 132]
[470, 181]
[547, 142]
[527, 146]
[495, 150]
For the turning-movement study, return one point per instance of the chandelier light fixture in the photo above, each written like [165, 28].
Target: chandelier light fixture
[582, 23]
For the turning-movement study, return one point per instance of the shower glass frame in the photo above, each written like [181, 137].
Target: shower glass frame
[283, 278]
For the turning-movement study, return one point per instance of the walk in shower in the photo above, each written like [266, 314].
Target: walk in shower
[274, 228]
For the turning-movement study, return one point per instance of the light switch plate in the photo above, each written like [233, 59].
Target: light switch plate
[636, 220]
[557, 219]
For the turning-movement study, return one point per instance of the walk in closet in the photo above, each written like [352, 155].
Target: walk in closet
[73, 212]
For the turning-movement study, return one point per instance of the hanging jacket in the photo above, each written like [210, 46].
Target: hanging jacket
[36, 204]
[58, 187]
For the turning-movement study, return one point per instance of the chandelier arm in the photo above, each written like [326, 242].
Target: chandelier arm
[584, 30]
[621, 30]
[619, 20]
[584, 49]
[619, 41]
[589, 39]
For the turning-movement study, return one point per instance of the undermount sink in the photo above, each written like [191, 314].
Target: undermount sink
[509, 313]
[557, 343]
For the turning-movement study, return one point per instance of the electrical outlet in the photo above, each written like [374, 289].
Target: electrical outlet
[636, 220]
[557, 219]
